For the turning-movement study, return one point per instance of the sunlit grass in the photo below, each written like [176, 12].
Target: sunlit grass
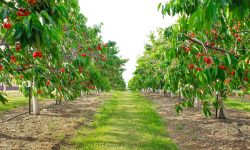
[239, 104]
[15, 100]
[127, 121]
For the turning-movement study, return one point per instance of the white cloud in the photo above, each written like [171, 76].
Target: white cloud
[128, 22]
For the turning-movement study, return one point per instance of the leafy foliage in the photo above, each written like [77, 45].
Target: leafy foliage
[47, 42]
[205, 52]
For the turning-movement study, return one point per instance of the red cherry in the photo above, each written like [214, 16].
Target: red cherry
[99, 47]
[187, 49]
[39, 92]
[37, 54]
[206, 43]
[7, 25]
[239, 39]
[83, 54]
[22, 12]
[198, 69]
[192, 35]
[40, 54]
[212, 44]
[13, 59]
[80, 69]
[18, 47]
[208, 60]
[232, 73]
[48, 83]
[1, 67]
[191, 66]
[21, 76]
[62, 70]
[221, 67]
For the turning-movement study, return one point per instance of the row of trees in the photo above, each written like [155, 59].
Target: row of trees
[46, 45]
[206, 53]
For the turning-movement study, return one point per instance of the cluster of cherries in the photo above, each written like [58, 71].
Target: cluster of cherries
[209, 61]
[37, 54]
[7, 24]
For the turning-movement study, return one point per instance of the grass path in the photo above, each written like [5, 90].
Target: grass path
[127, 121]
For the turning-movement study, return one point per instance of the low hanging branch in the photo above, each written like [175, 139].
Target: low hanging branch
[204, 46]
[24, 69]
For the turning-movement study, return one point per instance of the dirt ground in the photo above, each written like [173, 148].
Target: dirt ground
[191, 130]
[50, 129]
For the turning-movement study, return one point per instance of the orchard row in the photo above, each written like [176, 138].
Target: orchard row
[47, 43]
[205, 54]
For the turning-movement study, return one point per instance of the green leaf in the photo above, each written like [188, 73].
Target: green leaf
[159, 6]
[208, 75]
[229, 59]
[46, 15]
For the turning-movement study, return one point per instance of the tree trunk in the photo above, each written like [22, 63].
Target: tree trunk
[221, 114]
[182, 97]
[196, 102]
[82, 94]
[4, 88]
[179, 94]
[172, 95]
[216, 109]
[165, 93]
[35, 103]
[36, 109]
[30, 97]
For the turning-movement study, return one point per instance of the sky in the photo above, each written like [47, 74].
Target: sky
[128, 23]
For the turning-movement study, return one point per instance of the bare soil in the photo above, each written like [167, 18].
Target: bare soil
[49, 130]
[191, 130]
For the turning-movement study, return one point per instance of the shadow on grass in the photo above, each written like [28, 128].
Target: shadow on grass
[127, 121]
[236, 104]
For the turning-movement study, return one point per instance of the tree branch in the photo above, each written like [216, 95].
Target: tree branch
[24, 69]
[205, 46]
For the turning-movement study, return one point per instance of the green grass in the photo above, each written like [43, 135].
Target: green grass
[239, 104]
[14, 100]
[126, 121]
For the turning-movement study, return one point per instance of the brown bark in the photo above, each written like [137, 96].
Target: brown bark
[221, 114]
